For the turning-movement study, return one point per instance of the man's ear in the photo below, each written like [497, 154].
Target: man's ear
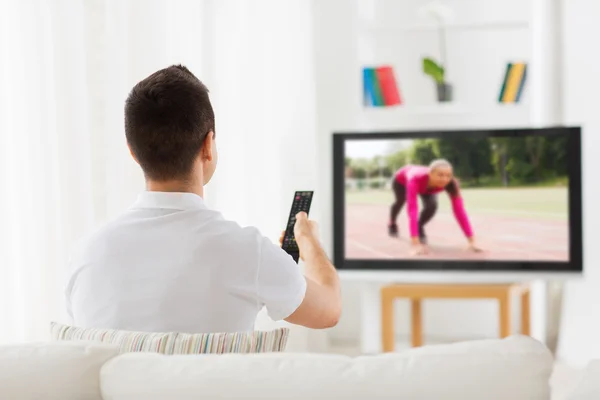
[207, 146]
[132, 155]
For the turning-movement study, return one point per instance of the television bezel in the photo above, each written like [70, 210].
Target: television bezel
[573, 265]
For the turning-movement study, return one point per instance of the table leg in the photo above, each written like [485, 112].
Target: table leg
[417, 323]
[387, 323]
[526, 312]
[504, 316]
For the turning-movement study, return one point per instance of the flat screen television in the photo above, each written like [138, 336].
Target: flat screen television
[463, 200]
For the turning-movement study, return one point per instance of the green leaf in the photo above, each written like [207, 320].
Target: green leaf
[431, 68]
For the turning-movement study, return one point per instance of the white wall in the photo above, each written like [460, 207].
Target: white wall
[580, 330]
[477, 56]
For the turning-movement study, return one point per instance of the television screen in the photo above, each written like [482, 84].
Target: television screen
[506, 199]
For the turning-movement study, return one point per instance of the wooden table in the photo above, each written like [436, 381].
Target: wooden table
[416, 293]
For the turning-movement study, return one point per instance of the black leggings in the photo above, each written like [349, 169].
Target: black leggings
[429, 201]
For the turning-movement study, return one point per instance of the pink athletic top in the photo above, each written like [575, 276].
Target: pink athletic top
[415, 179]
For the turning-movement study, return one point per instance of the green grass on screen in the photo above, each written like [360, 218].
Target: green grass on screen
[538, 203]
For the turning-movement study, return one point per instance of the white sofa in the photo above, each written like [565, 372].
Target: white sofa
[517, 368]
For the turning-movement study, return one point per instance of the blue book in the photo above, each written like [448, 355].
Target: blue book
[369, 99]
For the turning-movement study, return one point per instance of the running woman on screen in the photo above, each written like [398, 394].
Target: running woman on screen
[427, 182]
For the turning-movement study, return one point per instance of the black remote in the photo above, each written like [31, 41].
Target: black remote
[301, 202]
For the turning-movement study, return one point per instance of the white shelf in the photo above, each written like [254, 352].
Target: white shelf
[449, 108]
[370, 27]
[434, 109]
[445, 116]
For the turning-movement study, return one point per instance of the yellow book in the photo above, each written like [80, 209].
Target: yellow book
[513, 83]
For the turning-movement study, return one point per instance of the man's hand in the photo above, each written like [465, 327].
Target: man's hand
[281, 238]
[305, 228]
[322, 304]
[306, 233]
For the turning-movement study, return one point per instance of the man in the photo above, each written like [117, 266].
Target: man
[170, 263]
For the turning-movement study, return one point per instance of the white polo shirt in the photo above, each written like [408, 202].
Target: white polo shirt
[170, 264]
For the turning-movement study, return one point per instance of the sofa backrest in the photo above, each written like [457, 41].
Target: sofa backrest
[53, 371]
[517, 368]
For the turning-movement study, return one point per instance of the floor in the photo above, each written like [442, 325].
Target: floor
[562, 382]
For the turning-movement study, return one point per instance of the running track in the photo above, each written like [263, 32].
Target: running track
[502, 238]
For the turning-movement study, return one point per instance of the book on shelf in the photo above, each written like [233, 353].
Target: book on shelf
[513, 83]
[380, 88]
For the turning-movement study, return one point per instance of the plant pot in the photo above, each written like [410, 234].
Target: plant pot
[444, 92]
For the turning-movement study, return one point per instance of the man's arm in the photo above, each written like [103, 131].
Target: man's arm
[312, 300]
[322, 304]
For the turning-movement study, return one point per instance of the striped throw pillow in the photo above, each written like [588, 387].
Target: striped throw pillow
[178, 343]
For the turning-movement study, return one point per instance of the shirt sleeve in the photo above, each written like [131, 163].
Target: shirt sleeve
[412, 206]
[280, 284]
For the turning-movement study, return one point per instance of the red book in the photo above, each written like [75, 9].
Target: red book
[389, 87]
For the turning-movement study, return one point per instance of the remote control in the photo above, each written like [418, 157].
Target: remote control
[301, 202]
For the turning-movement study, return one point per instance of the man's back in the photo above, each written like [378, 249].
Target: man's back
[171, 264]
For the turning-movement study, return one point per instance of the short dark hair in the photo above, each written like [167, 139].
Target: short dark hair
[167, 118]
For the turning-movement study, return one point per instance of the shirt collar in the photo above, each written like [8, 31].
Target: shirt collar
[169, 200]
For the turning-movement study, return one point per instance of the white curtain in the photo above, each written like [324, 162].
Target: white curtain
[66, 67]
[45, 168]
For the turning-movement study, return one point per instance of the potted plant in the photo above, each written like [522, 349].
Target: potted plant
[437, 70]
